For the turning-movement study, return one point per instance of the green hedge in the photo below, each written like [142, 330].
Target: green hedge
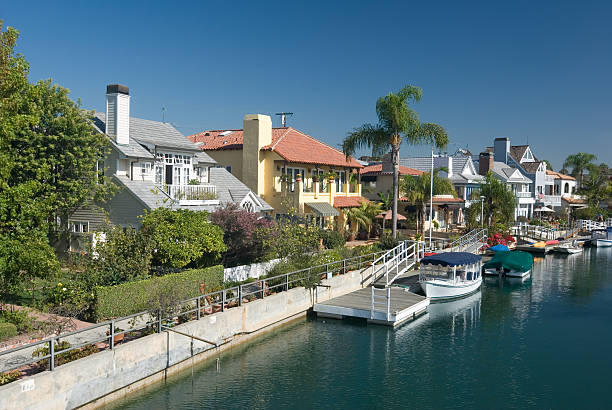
[7, 330]
[162, 291]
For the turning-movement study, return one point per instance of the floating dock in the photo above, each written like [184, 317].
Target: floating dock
[390, 306]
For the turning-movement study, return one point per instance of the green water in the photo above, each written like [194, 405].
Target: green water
[541, 343]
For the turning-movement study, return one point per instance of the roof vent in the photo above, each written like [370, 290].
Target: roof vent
[224, 133]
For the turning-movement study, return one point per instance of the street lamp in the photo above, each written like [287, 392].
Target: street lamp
[482, 198]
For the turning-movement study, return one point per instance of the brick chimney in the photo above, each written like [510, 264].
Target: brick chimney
[387, 163]
[118, 113]
[485, 163]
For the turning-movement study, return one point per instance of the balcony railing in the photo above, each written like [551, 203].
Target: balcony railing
[191, 193]
[523, 194]
[554, 200]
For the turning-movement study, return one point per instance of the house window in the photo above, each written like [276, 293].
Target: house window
[566, 189]
[186, 176]
[79, 226]
[229, 168]
[187, 159]
[159, 174]
[169, 159]
[341, 180]
[176, 180]
[146, 167]
[293, 173]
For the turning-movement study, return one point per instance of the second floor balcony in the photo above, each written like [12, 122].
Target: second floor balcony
[523, 194]
[192, 194]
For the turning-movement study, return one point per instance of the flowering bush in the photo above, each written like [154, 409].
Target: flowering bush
[498, 238]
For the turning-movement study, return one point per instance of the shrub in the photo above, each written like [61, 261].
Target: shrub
[387, 242]
[183, 237]
[122, 257]
[155, 293]
[7, 330]
[66, 357]
[332, 239]
[8, 377]
[242, 234]
[20, 318]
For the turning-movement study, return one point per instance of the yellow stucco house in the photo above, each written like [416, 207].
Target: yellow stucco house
[287, 168]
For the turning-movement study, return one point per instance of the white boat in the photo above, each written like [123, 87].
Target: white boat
[450, 275]
[602, 238]
[569, 249]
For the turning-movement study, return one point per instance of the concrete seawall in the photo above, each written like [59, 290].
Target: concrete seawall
[100, 378]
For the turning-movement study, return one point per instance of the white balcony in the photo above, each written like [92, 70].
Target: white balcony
[523, 194]
[552, 200]
[192, 194]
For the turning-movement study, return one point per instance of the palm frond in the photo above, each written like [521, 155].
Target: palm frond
[367, 135]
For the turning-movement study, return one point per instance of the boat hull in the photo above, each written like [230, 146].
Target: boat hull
[567, 251]
[440, 289]
[603, 243]
[510, 274]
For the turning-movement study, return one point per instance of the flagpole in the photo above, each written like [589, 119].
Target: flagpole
[431, 197]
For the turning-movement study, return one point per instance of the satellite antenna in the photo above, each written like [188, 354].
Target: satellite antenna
[163, 109]
[283, 116]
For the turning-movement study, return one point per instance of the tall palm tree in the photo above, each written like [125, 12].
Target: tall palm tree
[418, 190]
[579, 162]
[397, 122]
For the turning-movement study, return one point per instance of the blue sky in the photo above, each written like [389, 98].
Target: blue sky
[530, 71]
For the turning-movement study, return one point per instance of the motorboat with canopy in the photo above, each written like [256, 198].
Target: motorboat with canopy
[515, 264]
[450, 275]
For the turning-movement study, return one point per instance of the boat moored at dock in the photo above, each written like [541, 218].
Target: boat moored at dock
[602, 238]
[450, 275]
[514, 264]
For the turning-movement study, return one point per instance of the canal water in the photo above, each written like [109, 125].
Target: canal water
[542, 343]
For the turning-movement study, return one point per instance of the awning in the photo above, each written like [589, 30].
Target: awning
[323, 209]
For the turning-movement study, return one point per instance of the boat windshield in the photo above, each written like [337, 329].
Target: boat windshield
[451, 274]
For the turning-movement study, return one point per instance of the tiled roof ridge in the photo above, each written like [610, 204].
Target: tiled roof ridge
[305, 135]
[279, 139]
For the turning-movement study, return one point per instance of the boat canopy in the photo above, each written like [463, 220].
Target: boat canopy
[498, 248]
[451, 259]
[516, 260]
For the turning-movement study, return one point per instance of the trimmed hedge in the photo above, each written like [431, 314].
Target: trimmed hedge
[7, 330]
[154, 293]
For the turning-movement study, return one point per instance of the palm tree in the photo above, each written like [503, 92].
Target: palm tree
[597, 186]
[579, 162]
[356, 219]
[397, 122]
[386, 200]
[417, 191]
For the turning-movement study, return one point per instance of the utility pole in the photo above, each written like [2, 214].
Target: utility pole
[431, 197]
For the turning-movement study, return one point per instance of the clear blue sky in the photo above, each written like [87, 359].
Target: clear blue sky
[528, 70]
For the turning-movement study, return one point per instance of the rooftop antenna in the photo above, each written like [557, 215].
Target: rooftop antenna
[163, 114]
[283, 116]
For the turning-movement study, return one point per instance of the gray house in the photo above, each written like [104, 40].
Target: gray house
[155, 166]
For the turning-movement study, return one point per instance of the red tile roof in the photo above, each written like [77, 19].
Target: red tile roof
[571, 200]
[437, 200]
[348, 201]
[559, 175]
[289, 143]
[376, 169]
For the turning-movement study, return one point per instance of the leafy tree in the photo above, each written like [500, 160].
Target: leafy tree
[397, 121]
[386, 200]
[548, 165]
[418, 190]
[123, 256]
[579, 163]
[597, 187]
[48, 154]
[182, 237]
[240, 234]
[499, 202]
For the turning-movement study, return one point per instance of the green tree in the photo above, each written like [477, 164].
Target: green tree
[386, 200]
[548, 165]
[499, 202]
[362, 216]
[417, 190]
[397, 121]
[579, 163]
[182, 237]
[596, 185]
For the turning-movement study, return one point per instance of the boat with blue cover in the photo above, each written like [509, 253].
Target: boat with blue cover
[450, 275]
[515, 264]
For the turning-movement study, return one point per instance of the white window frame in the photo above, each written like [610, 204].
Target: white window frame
[77, 226]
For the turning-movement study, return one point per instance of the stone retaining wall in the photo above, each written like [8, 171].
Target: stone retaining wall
[105, 376]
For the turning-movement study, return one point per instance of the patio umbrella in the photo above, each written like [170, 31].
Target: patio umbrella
[543, 209]
[460, 218]
[388, 215]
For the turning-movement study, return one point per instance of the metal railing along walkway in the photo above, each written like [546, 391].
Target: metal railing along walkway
[397, 261]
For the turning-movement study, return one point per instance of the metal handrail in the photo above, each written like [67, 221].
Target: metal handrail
[155, 317]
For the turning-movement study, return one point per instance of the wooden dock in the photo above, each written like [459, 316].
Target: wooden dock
[401, 305]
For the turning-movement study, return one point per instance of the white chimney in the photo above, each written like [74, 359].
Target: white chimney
[118, 113]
